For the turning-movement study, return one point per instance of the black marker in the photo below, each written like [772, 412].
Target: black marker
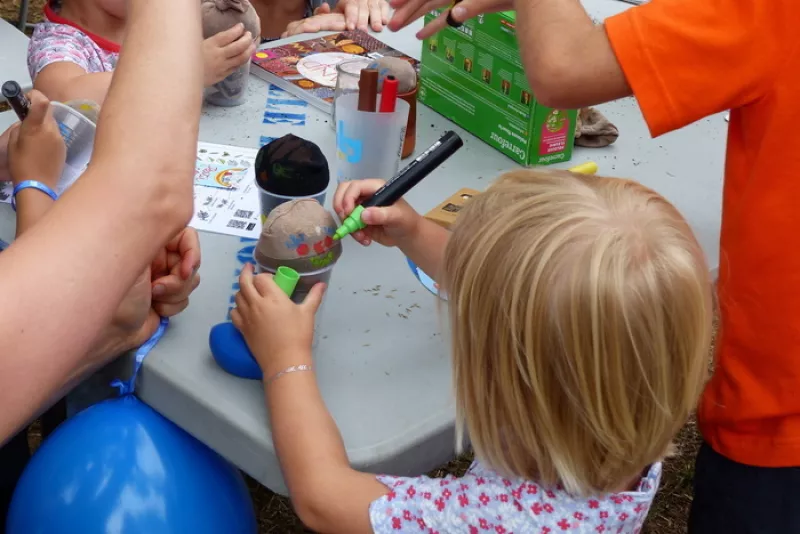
[402, 183]
[17, 99]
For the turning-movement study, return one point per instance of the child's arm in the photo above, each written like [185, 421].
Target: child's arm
[39, 156]
[328, 495]
[64, 81]
[394, 226]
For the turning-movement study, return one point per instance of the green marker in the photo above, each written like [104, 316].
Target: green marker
[286, 278]
[398, 186]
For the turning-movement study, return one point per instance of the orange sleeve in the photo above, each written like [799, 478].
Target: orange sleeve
[687, 59]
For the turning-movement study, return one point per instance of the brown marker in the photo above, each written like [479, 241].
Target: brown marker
[368, 90]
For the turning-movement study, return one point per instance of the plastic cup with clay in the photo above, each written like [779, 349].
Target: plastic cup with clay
[368, 145]
[78, 133]
[230, 91]
[269, 201]
[304, 283]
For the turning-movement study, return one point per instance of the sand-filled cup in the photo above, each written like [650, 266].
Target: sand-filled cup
[290, 168]
[269, 201]
[368, 145]
[78, 133]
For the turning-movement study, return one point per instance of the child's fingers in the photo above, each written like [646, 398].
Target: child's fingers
[376, 14]
[228, 36]
[38, 110]
[241, 302]
[267, 287]
[385, 12]
[246, 287]
[236, 319]
[314, 298]
[239, 47]
[351, 14]
[363, 17]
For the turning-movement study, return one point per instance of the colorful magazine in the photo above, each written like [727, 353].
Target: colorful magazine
[307, 69]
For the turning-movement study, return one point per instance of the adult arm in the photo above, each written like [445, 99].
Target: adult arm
[64, 278]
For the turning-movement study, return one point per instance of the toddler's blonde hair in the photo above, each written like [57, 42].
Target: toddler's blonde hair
[581, 319]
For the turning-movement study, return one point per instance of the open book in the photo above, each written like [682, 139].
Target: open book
[307, 69]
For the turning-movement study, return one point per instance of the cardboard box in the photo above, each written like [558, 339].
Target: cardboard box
[445, 213]
[473, 75]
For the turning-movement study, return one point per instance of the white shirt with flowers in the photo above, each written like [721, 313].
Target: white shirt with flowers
[484, 502]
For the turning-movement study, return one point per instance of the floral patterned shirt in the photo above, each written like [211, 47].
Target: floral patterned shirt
[483, 502]
[58, 39]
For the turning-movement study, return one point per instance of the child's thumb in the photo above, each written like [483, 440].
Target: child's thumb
[314, 297]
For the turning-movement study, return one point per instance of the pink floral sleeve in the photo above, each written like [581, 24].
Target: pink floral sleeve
[53, 43]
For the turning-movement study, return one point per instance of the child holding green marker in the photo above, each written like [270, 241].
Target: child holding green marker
[581, 322]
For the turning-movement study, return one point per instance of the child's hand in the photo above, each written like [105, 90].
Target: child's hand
[360, 14]
[36, 150]
[225, 52]
[278, 331]
[389, 226]
[322, 22]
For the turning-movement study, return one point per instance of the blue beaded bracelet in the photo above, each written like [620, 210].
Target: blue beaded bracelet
[31, 184]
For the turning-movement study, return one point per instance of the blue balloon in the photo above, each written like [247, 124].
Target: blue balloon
[119, 467]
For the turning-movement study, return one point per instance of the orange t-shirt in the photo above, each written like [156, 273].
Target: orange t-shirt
[684, 60]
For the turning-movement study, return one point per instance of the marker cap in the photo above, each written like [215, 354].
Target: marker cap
[286, 278]
[351, 224]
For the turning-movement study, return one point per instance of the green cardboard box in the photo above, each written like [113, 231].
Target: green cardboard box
[473, 75]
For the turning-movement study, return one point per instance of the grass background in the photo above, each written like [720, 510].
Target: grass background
[667, 516]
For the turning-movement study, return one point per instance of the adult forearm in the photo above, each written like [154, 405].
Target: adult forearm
[568, 59]
[64, 278]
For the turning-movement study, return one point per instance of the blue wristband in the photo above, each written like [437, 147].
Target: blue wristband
[31, 184]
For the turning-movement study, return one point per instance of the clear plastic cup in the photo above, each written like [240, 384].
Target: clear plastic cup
[230, 91]
[304, 285]
[78, 133]
[347, 75]
[269, 201]
[368, 145]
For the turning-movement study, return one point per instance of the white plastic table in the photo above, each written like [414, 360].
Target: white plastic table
[14, 55]
[382, 360]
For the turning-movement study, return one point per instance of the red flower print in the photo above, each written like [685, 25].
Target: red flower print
[500, 529]
[548, 508]
[531, 489]
[545, 530]
[302, 249]
[601, 528]
[396, 523]
[517, 493]
[623, 516]
[463, 500]
[564, 524]
[518, 505]
[463, 487]
[480, 481]
[484, 499]
[627, 498]
[603, 515]
[446, 494]
[506, 482]
[391, 495]
[421, 523]
[411, 491]
[439, 504]
[473, 529]
[483, 524]
[537, 509]
[426, 495]
[550, 494]
[645, 486]
[593, 504]
[431, 531]
[640, 508]
[407, 515]
[616, 499]
[444, 482]
[578, 516]
[504, 497]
